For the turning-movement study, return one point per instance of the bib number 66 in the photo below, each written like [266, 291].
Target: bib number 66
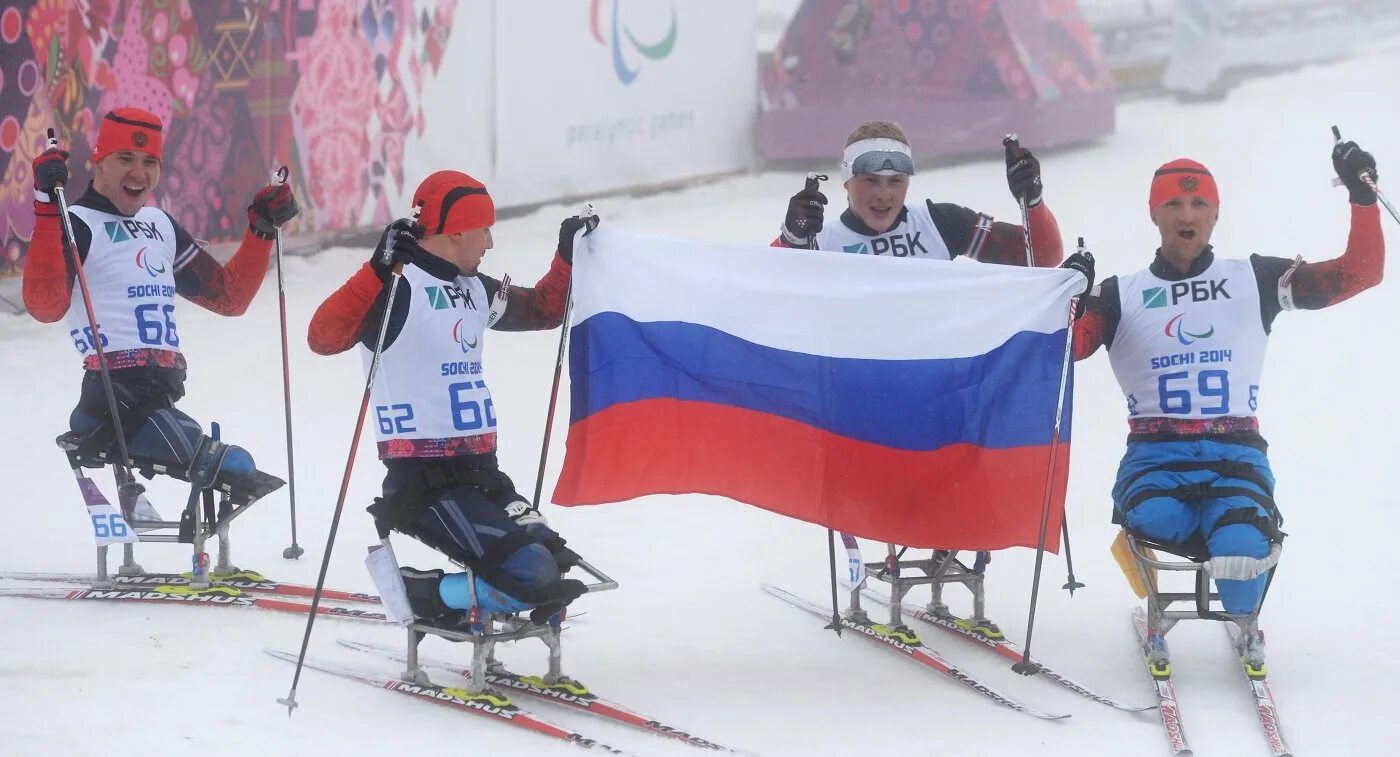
[155, 324]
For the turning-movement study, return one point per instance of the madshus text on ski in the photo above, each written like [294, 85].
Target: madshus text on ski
[1185, 336]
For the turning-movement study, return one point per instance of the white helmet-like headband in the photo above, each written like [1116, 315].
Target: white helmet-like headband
[880, 155]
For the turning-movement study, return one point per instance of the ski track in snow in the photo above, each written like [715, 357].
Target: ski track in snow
[690, 638]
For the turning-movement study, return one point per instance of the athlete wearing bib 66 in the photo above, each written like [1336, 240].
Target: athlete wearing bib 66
[434, 418]
[1186, 339]
[875, 170]
[137, 258]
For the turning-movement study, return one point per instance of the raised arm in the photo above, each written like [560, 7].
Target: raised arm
[1360, 267]
[1005, 243]
[542, 306]
[48, 280]
[228, 289]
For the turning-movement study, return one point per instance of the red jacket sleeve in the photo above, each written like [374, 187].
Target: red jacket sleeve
[1006, 242]
[48, 282]
[336, 325]
[1045, 237]
[1088, 334]
[1361, 266]
[226, 290]
[541, 307]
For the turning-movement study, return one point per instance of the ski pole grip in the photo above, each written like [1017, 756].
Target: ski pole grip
[386, 255]
[1336, 133]
[814, 180]
[279, 177]
[52, 144]
[1011, 142]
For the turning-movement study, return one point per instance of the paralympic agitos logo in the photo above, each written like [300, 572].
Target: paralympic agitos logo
[1176, 328]
[144, 261]
[658, 50]
[460, 336]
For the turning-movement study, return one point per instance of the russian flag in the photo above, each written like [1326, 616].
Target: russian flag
[907, 401]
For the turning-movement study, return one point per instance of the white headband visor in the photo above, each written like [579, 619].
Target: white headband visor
[881, 155]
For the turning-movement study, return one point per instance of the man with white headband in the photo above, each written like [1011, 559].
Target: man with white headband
[875, 169]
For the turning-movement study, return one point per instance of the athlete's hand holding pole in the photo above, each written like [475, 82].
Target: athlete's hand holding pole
[276, 187]
[586, 221]
[391, 253]
[1357, 170]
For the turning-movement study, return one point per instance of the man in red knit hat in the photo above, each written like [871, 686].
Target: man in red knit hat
[1186, 338]
[436, 423]
[136, 258]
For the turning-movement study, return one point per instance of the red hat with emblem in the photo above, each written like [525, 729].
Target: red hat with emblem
[451, 201]
[1182, 178]
[129, 129]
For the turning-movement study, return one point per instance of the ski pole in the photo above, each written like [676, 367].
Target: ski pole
[1011, 142]
[279, 177]
[1026, 667]
[1070, 583]
[127, 486]
[1370, 178]
[386, 256]
[835, 604]
[587, 212]
[814, 181]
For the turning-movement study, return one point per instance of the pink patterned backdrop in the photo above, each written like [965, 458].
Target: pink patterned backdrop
[329, 88]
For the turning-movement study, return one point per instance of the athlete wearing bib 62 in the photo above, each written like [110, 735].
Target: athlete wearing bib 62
[1186, 338]
[875, 170]
[434, 418]
[136, 259]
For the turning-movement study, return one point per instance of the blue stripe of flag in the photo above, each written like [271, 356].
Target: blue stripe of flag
[1000, 400]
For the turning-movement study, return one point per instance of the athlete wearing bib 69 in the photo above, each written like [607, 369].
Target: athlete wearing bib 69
[434, 418]
[875, 170]
[1186, 338]
[136, 259]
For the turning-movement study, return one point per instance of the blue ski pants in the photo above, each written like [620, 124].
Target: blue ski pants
[464, 523]
[1162, 516]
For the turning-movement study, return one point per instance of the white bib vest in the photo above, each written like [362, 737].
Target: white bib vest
[130, 270]
[1192, 348]
[914, 237]
[429, 384]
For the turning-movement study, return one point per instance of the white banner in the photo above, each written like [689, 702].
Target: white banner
[458, 106]
[605, 94]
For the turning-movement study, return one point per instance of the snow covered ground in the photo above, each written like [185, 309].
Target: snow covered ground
[689, 637]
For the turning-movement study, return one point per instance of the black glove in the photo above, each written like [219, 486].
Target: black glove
[804, 217]
[50, 169]
[1350, 161]
[1084, 263]
[401, 239]
[568, 228]
[272, 206]
[555, 598]
[563, 556]
[1023, 175]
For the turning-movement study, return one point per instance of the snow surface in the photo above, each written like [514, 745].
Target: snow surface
[690, 638]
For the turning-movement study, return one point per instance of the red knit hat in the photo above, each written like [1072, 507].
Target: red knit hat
[1182, 178]
[451, 201]
[129, 129]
